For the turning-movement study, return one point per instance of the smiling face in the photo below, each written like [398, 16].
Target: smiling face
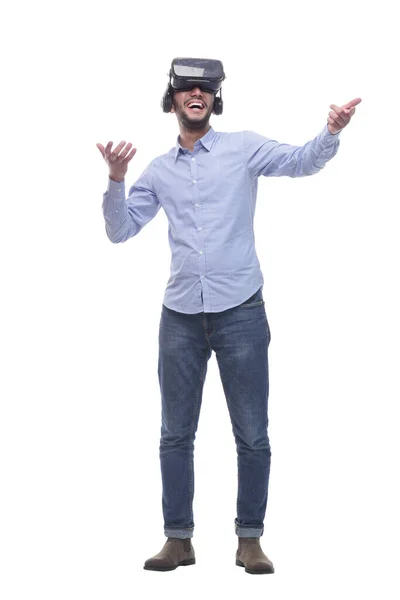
[198, 116]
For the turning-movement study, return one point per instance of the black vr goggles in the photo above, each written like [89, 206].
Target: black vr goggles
[187, 73]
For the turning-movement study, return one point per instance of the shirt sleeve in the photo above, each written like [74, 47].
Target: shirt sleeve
[124, 218]
[272, 159]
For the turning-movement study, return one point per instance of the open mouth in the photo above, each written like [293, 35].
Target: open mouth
[195, 106]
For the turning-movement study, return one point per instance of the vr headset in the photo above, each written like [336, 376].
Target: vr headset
[187, 73]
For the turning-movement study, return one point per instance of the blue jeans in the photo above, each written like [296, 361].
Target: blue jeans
[240, 337]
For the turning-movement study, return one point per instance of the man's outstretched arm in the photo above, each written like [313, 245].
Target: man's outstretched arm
[270, 158]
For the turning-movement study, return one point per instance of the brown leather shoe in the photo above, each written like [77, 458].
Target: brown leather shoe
[175, 553]
[250, 556]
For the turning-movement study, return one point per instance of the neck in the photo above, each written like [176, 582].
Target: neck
[188, 137]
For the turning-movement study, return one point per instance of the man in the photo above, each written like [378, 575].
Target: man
[207, 185]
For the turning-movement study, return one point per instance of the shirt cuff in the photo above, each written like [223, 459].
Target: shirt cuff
[329, 138]
[116, 189]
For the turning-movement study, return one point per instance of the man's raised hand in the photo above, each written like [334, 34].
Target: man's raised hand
[117, 159]
[340, 116]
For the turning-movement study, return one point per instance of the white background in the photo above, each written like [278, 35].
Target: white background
[80, 400]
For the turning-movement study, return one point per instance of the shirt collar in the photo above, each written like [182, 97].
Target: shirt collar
[207, 141]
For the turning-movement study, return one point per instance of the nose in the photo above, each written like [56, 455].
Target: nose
[196, 90]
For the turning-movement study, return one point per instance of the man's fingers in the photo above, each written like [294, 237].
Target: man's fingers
[108, 149]
[340, 116]
[125, 151]
[116, 155]
[101, 149]
[113, 156]
[341, 111]
[339, 120]
[131, 154]
[352, 103]
[128, 157]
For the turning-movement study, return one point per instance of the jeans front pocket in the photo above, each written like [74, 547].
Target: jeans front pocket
[255, 300]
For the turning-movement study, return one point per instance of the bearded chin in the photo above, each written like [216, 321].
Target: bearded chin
[194, 123]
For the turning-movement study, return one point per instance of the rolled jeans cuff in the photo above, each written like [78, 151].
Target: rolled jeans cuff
[182, 534]
[248, 531]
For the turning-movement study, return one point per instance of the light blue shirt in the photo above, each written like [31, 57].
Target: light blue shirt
[209, 196]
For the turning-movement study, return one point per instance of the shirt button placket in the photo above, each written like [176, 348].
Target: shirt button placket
[198, 218]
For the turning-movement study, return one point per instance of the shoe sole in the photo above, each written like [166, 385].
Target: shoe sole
[183, 563]
[252, 571]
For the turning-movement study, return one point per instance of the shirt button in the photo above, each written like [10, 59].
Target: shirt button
[202, 277]
[118, 189]
[116, 210]
[199, 228]
[193, 159]
[194, 181]
[201, 252]
[197, 204]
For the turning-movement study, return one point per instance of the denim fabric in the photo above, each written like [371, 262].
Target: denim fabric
[240, 337]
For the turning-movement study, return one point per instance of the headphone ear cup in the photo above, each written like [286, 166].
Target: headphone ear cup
[218, 106]
[166, 102]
